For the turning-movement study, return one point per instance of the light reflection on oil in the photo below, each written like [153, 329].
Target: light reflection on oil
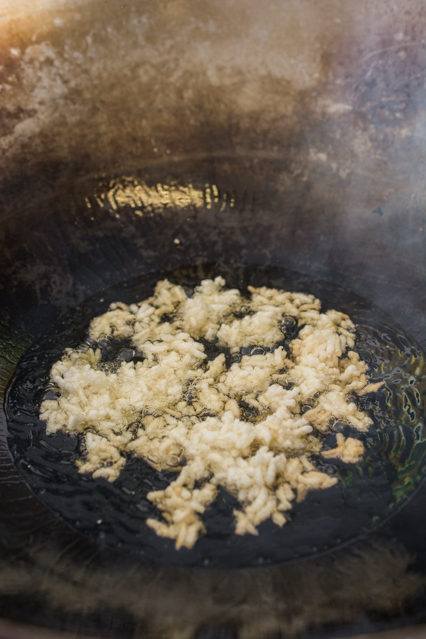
[129, 192]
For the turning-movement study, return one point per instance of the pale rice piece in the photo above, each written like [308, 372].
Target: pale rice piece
[371, 388]
[349, 450]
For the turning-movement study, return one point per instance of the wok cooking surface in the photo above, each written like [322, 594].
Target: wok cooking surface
[114, 515]
[96, 232]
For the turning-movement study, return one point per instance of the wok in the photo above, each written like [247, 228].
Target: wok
[138, 138]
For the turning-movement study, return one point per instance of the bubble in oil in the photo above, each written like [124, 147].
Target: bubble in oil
[367, 493]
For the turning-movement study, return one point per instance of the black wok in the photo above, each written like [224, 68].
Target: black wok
[130, 126]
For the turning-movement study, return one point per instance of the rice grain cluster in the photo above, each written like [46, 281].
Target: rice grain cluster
[246, 420]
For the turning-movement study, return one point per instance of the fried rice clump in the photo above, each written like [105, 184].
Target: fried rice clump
[246, 420]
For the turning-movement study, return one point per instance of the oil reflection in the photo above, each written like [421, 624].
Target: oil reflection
[130, 192]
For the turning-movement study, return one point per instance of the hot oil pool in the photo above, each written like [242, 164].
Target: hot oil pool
[115, 514]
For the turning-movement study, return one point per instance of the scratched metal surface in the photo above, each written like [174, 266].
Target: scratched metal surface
[286, 133]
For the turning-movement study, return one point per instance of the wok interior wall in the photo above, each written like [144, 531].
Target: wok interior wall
[315, 110]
